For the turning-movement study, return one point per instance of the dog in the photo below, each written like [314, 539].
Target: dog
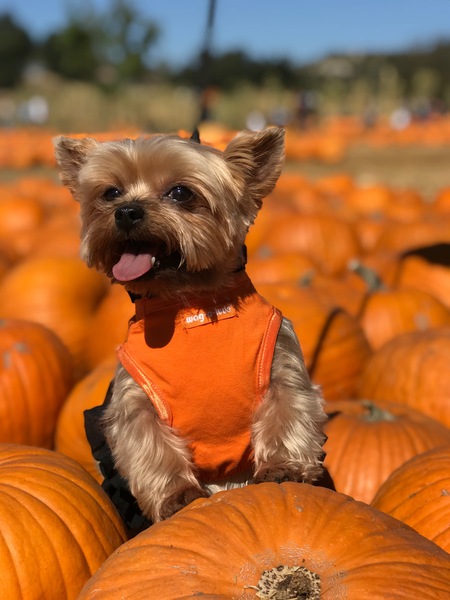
[211, 390]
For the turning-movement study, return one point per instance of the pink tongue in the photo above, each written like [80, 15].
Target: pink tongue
[132, 266]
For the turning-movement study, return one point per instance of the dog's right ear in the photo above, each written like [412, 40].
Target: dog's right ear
[70, 155]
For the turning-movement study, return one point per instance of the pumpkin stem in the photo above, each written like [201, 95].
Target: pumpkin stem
[370, 277]
[307, 278]
[289, 583]
[375, 413]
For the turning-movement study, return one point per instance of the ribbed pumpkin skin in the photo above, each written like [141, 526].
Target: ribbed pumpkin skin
[327, 240]
[333, 343]
[423, 379]
[70, 436]
[57, 525]
[367, 443]
[418, 493]
[389, 313]
[60, 293]
[218, 548]
[109, 325]
[35, 378]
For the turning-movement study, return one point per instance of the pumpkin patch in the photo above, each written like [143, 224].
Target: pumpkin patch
[378, 344]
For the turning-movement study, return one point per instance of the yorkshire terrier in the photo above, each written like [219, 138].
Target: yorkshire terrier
[211, 390]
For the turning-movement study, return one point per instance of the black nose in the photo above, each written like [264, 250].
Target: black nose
[128, 215]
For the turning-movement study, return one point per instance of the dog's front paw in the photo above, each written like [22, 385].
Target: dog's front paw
[180, 499]
[281, 474]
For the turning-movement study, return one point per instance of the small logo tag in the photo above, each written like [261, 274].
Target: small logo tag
[197, 317]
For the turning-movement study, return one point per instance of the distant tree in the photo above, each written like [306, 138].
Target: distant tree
[231, 69]
[71, 52]
[113, 46]
[125, 40]
[16, 49]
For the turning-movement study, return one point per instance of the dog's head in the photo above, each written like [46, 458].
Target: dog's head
[163, 214]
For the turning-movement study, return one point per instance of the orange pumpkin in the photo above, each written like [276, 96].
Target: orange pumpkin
[35, 378]
[333, 343]
[279, 268]
[368, 440]
[109, 325]
[418, 493]
[412, 369]
[60, 293]
[429, 229]
[387, 312]
[275, 541]
[20, 217]
[417, 273]
[70, 437]
[58, 526]
[326, 240]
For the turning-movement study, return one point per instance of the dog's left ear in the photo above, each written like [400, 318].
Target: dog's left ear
[70, 155]
[258, 158]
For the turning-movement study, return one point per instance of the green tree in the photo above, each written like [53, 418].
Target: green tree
[71, 52]
[111, 46]
[16, 49]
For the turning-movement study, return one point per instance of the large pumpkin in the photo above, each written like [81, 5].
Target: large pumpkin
[417, 273]
[275, 541]
[70, 436]
[333, 343]
[58, 292]
[35, 378]
[109, 325]
[327, 241]
[57, 525]
[367, 441]
[412, 369]
[418, 493]
[387, 312]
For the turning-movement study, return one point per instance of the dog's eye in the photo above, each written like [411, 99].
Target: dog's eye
[112, 193]
[180, 193]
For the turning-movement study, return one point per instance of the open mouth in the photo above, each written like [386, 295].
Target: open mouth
[139, 261]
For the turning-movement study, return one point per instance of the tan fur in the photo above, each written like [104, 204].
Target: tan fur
[207, 235]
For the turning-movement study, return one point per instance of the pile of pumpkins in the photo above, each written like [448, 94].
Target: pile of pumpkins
[363, 272]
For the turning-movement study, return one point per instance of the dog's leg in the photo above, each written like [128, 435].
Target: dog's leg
[287, 430]
[147, 453]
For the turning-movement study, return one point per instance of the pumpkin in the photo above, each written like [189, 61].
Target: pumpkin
[70, 437]
[58, 526]
[60, 293]
[109, 325]
[412, 369]
[19, 218]
[370, 199]
[279, 268]
[387, 312]
[333, 343]
[346, 291]
[418, 273]
[429, 229]
[273, 540]
[35, 378]
[327, 241]
[368, 440]
[418, 493]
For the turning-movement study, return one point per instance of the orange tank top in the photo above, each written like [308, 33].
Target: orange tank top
[205, 365]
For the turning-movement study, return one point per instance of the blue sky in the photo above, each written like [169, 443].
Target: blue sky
[300, 30]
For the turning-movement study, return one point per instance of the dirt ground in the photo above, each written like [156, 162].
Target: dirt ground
[425, 169]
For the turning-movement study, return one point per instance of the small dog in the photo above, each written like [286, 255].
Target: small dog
[211, 391]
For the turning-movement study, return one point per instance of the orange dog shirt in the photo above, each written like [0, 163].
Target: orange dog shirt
[205, 365]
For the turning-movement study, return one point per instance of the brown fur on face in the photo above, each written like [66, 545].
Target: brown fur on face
[197, 241]
[188, 207]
